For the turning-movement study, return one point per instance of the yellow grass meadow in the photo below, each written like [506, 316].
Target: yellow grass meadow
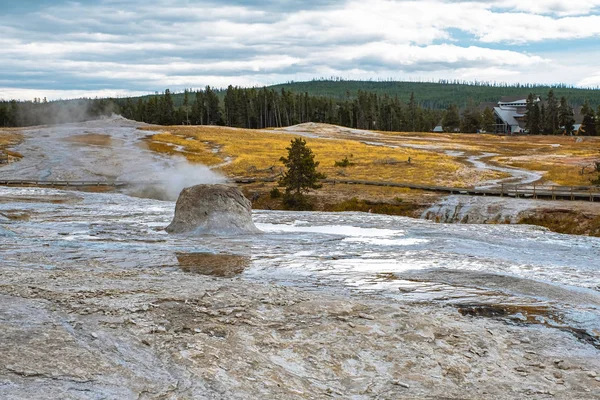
[249, 153]
[562, 160]
[9, 137]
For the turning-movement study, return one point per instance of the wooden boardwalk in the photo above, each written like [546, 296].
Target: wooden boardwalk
[587, 193]
[62, 184]
[584, 193]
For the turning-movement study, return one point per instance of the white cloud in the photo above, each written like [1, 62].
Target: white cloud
[558, 7]
[7, 93]
[151, 45]
[591, 81]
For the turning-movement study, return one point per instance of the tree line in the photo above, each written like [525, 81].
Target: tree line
[554, 116]
[548, 116]
[42, 112]
[258, 108]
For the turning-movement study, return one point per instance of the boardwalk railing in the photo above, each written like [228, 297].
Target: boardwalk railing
[552, 192]
[587, 193]
[43, 183]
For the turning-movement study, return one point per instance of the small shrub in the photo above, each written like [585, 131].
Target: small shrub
[344, 163]
[275, 193]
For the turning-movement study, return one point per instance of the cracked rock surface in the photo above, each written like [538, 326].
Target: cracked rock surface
[97, 332]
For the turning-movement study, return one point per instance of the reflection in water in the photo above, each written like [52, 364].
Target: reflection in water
[223, 265]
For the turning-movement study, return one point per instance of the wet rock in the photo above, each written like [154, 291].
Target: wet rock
[212, 209]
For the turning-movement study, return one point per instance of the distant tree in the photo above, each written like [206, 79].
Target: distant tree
[301, 174]
[412, 113]
[488, 120]
[598, 121]
[140, 111]
[13, 114]
[166, 109]
[186, 105]
[451, 120]
[588, 126]
[529, 111]
[211, 104]
[532, 115]
[565, 116]
[471, 119]
[198, 109]
[543, 121]
[551, 125]
[3, 114]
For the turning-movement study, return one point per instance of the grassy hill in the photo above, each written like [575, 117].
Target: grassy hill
[437, 95]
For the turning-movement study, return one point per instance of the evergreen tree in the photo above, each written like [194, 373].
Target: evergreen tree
[198, 107]
[588, 126]
[3, 114]
[543, 120]
[140, 111]
[165, 116]
[471, 120]
[412, 113]
[451, 120]
[565, 116]
[551, 125]
[213, 112]
[530, 114]
[488, 120]
[598, 121]
[186, 105]
[301, 174]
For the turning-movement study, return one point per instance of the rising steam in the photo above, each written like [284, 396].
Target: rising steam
[165, 182]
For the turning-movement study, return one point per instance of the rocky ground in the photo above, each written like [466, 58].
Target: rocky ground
[94, 329]
[152, 333]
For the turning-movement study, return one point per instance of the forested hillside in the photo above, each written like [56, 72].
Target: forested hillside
[437, 95]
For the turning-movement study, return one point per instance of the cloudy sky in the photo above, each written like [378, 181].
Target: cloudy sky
[63, 49]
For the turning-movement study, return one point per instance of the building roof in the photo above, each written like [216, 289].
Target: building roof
[508, 116]
[511, 99]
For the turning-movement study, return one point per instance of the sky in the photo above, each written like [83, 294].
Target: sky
[65, 49]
